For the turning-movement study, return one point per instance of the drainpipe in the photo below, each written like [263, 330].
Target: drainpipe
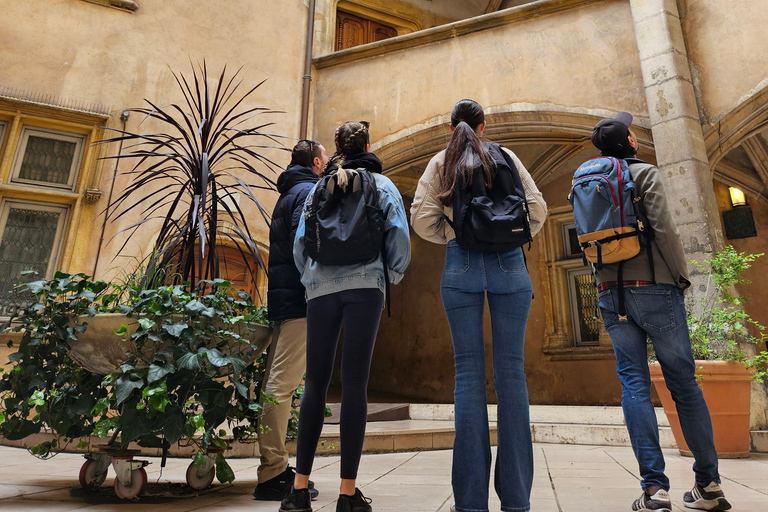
[307, 71]
[124, 118]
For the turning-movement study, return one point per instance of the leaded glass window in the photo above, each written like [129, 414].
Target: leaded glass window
[48, 158]
[30, 240]
[584, 309]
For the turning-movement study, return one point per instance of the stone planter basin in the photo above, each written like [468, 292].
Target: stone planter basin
[100, 350]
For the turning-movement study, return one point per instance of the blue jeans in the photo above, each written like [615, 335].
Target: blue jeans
[658, 312]
[467, 277]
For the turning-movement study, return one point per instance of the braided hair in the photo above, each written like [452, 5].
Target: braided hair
[351, 138]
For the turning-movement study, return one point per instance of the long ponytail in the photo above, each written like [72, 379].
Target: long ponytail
[465, 150]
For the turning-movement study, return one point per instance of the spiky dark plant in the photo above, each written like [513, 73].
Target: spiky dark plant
[187, 174]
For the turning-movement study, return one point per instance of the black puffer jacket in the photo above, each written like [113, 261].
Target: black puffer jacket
[285, 295]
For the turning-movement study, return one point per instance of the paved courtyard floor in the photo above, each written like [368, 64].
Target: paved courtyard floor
[567, 478]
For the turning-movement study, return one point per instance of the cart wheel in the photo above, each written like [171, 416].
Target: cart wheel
[199, 483]
[88, 475]
[138, 481]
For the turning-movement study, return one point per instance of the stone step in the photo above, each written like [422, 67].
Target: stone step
[553, 414]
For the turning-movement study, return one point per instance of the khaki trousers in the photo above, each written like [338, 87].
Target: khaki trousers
[285, 367]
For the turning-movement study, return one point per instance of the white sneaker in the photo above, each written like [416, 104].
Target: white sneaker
[710, 497]
[658, 502]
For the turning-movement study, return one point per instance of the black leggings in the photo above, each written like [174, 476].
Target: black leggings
[359, 311]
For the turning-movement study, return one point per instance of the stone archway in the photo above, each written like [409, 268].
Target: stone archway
[414, 357]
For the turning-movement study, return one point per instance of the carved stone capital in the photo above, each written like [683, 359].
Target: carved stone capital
[92, 195]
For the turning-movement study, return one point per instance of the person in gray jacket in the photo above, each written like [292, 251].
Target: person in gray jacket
[655, 309]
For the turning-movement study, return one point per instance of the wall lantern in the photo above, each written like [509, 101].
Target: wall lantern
[737, 197]
[738, 222]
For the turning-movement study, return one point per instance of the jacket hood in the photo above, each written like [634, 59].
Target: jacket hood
[367, 161]
[293, 175]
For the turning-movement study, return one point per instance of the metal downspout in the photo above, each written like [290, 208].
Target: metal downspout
[307, 71]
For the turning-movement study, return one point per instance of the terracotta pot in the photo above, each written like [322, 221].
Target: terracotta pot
[726, 387]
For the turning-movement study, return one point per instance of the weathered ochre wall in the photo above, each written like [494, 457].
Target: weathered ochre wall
[571, 59]
[724, 39]
[76, 52]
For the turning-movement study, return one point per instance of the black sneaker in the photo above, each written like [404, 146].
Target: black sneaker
[657, 502]
[710, 497]
[276, 488]
[297, 500]
[356, 503]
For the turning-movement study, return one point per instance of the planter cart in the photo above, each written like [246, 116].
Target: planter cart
[100, 351]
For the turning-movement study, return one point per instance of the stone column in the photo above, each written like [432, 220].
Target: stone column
[677, 134]
[680, 149]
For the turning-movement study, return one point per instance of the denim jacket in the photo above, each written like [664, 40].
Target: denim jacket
[322, 279]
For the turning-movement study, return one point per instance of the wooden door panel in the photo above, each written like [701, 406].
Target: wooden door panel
[353, 30]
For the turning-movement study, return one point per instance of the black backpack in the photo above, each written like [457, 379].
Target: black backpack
[346, 227]
[492, 219]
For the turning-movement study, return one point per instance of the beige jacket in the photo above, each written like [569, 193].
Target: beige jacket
[428, 213]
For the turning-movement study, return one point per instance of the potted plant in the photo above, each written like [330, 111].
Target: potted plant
[729, 349]
[179, 355]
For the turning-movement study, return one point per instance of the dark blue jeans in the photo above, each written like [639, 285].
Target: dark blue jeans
[658, 312]
[467, 277]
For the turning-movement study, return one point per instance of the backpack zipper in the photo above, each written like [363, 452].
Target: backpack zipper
[621, 192]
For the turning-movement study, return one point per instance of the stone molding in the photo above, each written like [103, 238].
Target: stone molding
[448, 31]
[123, 5]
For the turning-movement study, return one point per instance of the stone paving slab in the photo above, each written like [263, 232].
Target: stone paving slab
[567, 478]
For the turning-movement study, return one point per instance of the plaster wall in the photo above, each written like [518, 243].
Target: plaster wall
[724, 39]
[78, 53]
[566, 60]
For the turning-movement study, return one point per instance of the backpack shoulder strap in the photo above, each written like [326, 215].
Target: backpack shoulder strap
[518, 184]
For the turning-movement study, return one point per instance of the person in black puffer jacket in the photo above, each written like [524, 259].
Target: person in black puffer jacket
[287, 310]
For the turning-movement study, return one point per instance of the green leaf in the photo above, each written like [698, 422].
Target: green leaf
[189, 361]
[2, 417]
[224, 472]
[157, 372]
[159, 402]
[216, 358]
[199, 459]
[122, 330]
[154, 390]
[198, 422]
[146, 323]
[103, 427]
[195, 306]
[220, 443]
[102, 404]
[176, 329]
[124, 387]
[37, 398]
[82, 445]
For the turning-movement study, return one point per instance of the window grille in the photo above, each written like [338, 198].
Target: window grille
[584, 309]
[30, 240]
[48, 158]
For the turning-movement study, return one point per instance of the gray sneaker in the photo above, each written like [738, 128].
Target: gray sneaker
[710, 497]
[657, 502]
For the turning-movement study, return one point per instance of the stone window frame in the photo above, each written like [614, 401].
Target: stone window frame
[17, 115]
[560, 341]
[26, 132]
[123, 5]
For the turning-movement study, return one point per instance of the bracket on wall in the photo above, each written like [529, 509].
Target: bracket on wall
[123, 5]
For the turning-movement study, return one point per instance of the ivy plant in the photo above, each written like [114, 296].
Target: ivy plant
[723, 328]
[185, 374]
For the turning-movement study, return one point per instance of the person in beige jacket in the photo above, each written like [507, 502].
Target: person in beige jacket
[469, 275]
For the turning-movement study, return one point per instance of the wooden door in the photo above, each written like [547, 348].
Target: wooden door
[353, 30]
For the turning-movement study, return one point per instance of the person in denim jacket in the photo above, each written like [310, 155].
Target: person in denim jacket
[352, 296]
